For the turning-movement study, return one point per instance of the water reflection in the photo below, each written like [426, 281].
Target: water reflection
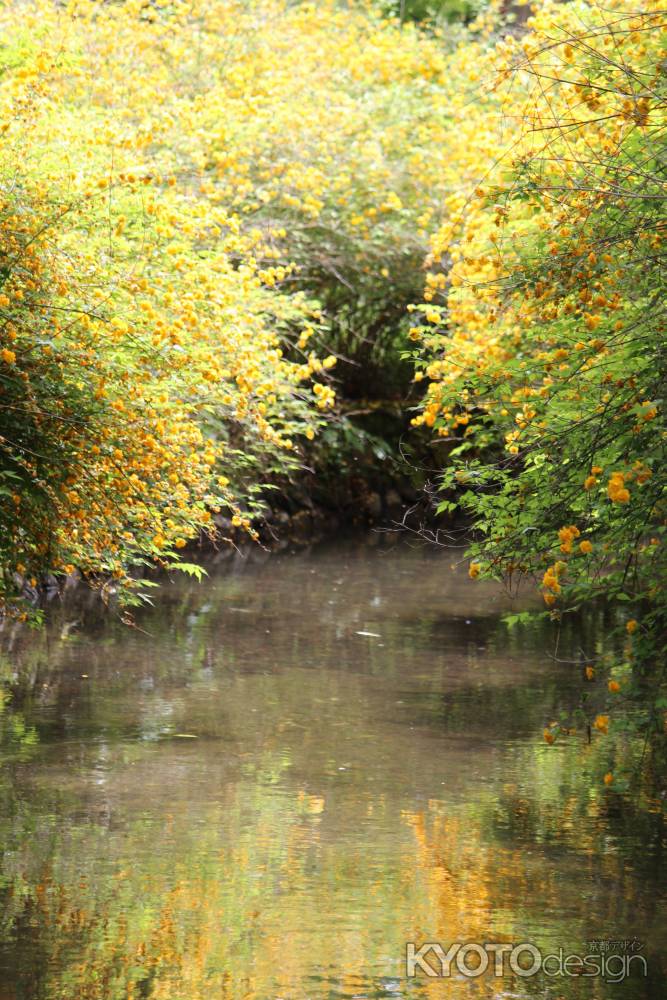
[293, 770]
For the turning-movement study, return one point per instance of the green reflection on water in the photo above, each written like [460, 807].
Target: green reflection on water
[292, 771]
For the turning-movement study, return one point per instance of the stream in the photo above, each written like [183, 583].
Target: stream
[293, 770]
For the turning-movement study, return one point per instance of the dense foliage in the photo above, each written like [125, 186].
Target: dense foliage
[544, 331]
[176, 186]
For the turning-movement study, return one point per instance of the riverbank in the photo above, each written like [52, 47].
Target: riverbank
[296, 516]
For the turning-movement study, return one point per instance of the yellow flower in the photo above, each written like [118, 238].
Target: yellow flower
[567, 535]
[601, 723]
[473, 571]
[614, 687]
[608, 778]
[8, 356]
[616, 490]
[632, 626]
[585, 547]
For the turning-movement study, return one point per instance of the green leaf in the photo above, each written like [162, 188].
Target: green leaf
[192, 569]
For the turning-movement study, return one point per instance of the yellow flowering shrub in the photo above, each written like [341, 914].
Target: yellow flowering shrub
[193, 198]
[143, 379]
[542, 333]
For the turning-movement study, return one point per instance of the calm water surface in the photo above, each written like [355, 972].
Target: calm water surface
[293, 770]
